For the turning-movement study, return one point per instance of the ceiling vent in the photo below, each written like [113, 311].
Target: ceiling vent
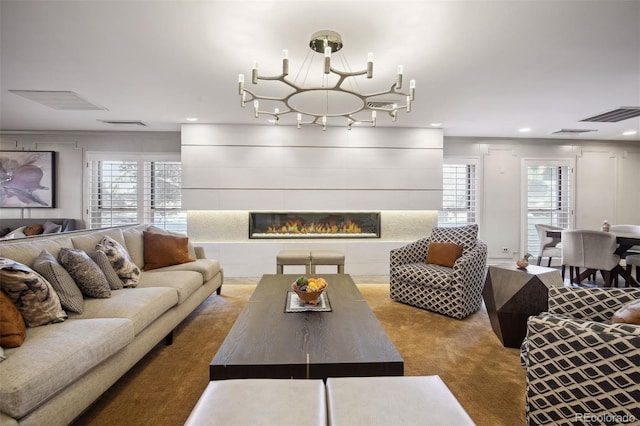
[58, 99]
[573, 131]
[124, 122]
[613, 116]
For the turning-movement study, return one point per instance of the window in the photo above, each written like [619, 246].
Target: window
[549, 199]
[132, 191]
[459, 201]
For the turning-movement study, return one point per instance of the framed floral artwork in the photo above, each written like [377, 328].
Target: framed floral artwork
[27, 179]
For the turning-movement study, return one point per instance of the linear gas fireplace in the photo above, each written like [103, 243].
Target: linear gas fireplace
[314, 225]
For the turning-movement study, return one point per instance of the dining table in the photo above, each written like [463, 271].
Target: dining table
[625, 241]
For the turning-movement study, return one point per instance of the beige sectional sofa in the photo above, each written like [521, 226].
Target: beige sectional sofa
[62, 368]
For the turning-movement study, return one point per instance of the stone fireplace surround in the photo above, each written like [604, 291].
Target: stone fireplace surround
[225, 236]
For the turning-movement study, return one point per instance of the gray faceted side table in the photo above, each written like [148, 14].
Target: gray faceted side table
[512, 294]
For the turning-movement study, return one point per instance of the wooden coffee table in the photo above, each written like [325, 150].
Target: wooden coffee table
[267, 342]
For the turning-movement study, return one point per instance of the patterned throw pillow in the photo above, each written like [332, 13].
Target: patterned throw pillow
[64, 285]
[12, 328]
[466, 236]
[85, 273]
[33, 295]
[128, 272]
[103, 262]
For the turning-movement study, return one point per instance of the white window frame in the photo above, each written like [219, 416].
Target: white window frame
[526, 162]
[464, 161]
[141, 158]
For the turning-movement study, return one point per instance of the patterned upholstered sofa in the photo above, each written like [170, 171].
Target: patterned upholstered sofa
[580, 368]
[456, 291]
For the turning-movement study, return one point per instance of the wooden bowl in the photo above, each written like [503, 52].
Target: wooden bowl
[308, 297]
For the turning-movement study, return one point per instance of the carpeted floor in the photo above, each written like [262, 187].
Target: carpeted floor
[164, 386]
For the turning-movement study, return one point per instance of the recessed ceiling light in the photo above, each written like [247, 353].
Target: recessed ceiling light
[524, 129]
[192, 119]
[436, 124]
[629, 133]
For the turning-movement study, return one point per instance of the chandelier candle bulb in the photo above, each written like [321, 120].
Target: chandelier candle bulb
[285, 62]
[412, 88]
[299, 119]
[399, 82]
[241, 84]
[256, 105]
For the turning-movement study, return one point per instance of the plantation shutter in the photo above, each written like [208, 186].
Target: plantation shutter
[459, 200]
[549, 188]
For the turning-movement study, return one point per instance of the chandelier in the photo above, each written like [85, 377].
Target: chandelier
[337, 95]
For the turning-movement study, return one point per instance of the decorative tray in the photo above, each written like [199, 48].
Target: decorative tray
[294, 304]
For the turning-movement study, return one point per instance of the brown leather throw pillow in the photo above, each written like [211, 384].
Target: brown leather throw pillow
[444, 254]
[12, 327]
[628, 314]
[164, 250]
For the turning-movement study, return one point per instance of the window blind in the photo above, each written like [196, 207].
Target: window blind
[548, 199]
[459, 200]
[136, 191]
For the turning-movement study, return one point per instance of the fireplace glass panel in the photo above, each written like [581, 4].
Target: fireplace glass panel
[314, 225]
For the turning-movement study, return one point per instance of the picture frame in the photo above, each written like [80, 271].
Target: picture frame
[27, 179]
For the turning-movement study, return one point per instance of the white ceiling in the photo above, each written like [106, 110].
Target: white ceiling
[483, 68]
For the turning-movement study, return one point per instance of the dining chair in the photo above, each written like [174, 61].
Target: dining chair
[549, 246]
[631, 261]
[592, 250]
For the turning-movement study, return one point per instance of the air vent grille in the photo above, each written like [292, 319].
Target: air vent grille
[613, 116]
[58, 99]
[124, 122]
[573, 131]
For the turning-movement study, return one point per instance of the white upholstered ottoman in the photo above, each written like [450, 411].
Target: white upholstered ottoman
[245, 402]
[397, 400]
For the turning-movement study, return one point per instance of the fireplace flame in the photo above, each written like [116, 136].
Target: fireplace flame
[296, 226]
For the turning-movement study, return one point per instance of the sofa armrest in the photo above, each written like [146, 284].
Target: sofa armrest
[593, 304]
[200, 254]
[414, 252]
[471, 267]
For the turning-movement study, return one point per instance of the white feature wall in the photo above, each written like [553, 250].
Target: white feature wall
[230, 170]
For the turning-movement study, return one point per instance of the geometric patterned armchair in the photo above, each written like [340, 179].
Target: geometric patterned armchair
[580, 368]
[455, 292]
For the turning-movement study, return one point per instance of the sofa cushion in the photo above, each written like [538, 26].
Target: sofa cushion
[26, 251]
[444, 254]
[53, 357]
[466, 236]
[117, 253]
[435, 276]
[140, 305]
[208, 268]
[33, 295]
[133, 239]
[85, 272]
[164, 250]
[64, 285]
[51, 227]
[103, 262]
[12, 327]
[88, 241]
[184, 282]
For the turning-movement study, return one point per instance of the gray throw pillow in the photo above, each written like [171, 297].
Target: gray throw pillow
[105, 265]
[85, 272]
[35, 298]
[128, 272]
[68, 292]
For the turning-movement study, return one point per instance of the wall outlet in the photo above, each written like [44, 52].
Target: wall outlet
[505, 249]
